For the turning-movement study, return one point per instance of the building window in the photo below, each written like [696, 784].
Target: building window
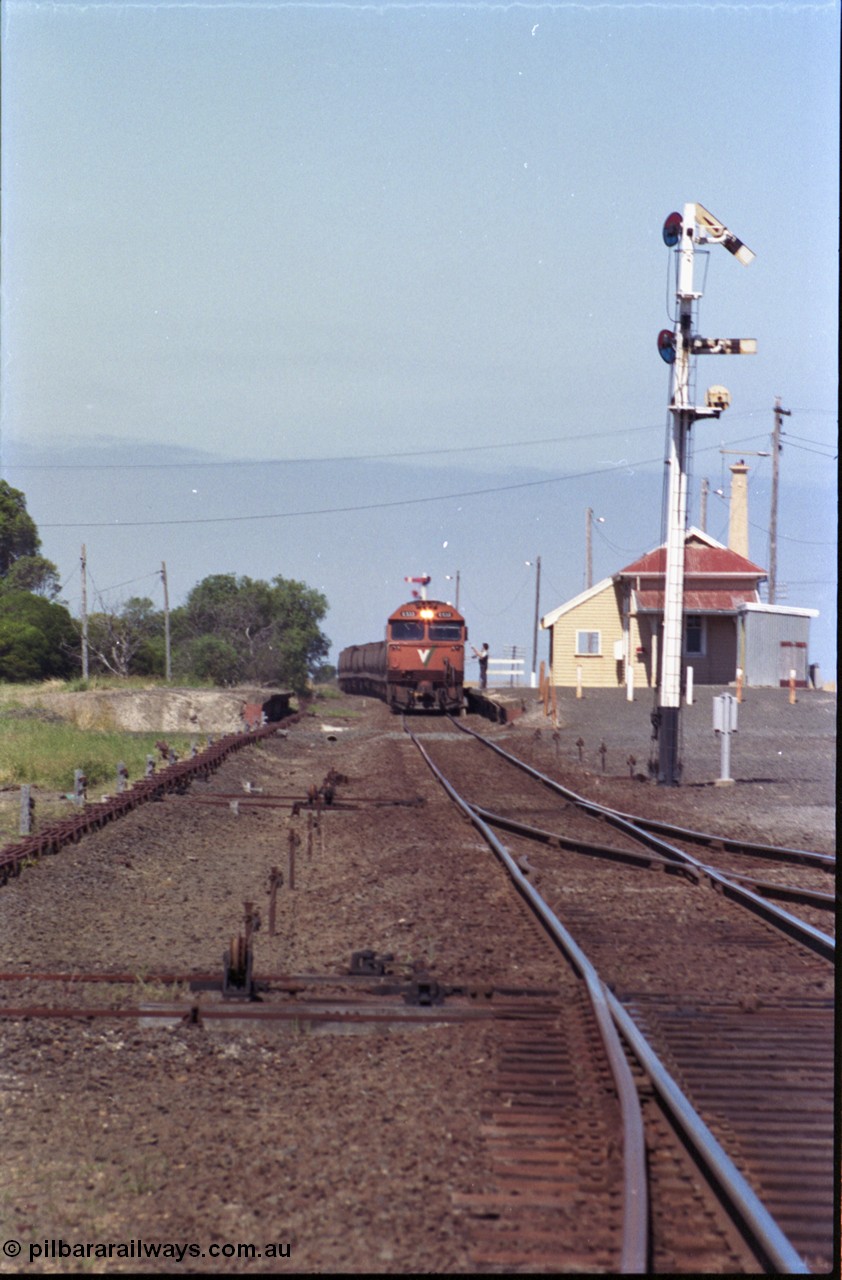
[589, 642]
[695, 639]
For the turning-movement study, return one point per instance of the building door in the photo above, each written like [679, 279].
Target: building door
[792, 656]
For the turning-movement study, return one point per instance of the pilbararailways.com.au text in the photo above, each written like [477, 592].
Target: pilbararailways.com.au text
[146, 1249]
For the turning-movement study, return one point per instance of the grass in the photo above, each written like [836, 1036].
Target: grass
[39, 747]
[47, 753]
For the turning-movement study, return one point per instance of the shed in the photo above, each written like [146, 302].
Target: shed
[617, 624]
[586, 638]
[772, 641]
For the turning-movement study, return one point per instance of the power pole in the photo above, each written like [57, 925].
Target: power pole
[677, 347]
[588, 549]
[535, 627]
[773, 517]
[703, 505]
[589, 519]
[167, 656]
[84, 566]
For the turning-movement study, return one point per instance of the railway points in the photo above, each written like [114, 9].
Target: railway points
[475, 1129]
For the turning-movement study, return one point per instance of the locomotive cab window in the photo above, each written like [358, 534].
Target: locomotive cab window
[408, 630]
[445, 631]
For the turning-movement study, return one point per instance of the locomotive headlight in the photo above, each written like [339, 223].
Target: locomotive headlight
[426, 613]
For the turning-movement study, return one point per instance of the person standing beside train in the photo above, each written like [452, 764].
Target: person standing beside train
[482, 657]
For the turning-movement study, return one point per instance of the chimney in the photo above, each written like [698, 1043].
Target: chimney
[738, 511]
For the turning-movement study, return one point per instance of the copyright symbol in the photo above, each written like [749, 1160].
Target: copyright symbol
[11, 1248]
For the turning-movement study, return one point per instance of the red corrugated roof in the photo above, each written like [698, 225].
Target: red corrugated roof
[698, 559]
[716, 601]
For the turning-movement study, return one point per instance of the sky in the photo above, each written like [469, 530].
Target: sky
[349, 293]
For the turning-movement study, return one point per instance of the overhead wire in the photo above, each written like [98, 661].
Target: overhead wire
[321, 511]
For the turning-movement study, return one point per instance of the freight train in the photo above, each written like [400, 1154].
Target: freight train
[419, 666]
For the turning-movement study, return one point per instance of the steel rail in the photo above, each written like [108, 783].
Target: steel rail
[815, 897]
[636, 857]
[809, 857]
[811, 897]
[780, 1254]
[293, 1011]
[93, 817]
[764, 1231]
[635, 1245]
[822, 943]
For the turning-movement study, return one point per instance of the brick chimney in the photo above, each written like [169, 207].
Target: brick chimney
[738, 510]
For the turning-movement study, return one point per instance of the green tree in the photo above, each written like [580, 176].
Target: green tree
[33, 573]
[21, 566]
[38, 640]
[270, 631]
[214, 659]
[18, 531]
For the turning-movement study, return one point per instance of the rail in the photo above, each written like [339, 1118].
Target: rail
[769, 1240]
[635, 1246]
[174, 777]
[818, 941]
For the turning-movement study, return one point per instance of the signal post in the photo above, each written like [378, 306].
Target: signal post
[677, 348]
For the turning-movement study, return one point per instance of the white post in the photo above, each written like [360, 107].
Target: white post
[578, 682]
[689, 686]
[725, 762]
[629, 682]
[682, 419]
[725, 723]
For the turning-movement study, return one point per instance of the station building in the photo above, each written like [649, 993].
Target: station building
[617, 625]
[619, 621]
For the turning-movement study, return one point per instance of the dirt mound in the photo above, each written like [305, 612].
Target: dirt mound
[154, 710]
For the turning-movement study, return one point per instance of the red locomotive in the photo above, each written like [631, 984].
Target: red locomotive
[419, 666]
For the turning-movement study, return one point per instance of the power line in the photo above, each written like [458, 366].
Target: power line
[805, 448]
[373, 506]
[330, 511]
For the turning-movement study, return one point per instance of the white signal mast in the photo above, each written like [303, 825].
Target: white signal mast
[677, 347]
[423, 581]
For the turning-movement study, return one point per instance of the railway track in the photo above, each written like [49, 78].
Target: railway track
[748, 872]
[740, 1008]
[473, 981]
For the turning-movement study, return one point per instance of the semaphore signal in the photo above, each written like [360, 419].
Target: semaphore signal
[677, 347]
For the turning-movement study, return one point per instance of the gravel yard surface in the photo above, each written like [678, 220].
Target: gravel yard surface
[353, 1152]
[783, 760]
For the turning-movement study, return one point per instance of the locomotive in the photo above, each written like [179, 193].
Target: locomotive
[419, 666]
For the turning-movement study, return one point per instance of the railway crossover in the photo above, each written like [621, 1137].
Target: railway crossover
[735, 1016]
[620, 1086]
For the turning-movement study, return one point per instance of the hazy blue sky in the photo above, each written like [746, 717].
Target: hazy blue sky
[305, 236]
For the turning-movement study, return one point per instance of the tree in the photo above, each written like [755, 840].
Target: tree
[35, 574]
[18, 531]
[38, 640]
[266, 632]
[128, 641]
[214, 659]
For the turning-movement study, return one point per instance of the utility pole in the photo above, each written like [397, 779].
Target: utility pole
[84, 566]
[703, 505]
[677, 347]
[589, 544]
[535, 627]
[773, 517]
[167, 655]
